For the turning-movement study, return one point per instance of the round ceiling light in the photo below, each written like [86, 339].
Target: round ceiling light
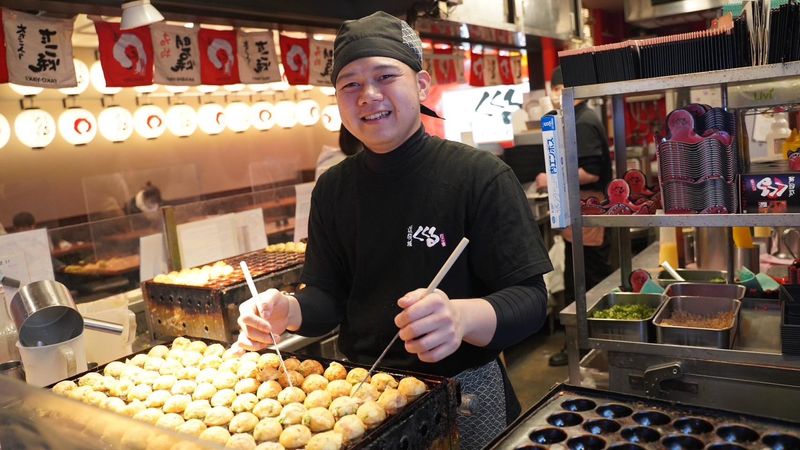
[286, 114]
[237, 116]
[262, 115]
[115, 123]
[77, 126]
[35, 128]
[181, 120]
[98, 80]
[331, 119]
[149, 121]
[307, 112]
[211, 118]
[5, 131]
[82, 75]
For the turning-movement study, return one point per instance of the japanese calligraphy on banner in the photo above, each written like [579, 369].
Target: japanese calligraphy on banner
[491, 73]
[258, 61]
[506, 70]
[126, 56]
[516, 68]
[476, 70]
[321, 62]
[176, 55]
[294, 54]
[3, 66]
[444, 65]
[38, 50]
[218, 61]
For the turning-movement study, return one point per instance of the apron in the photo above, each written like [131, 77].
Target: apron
[482, 413]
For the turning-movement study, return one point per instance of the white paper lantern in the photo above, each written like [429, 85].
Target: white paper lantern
[237, 116]
[262, 115]
[307, 112]
[149, 121]
[207, 88]
[77, 126]
[149, 89]
[115, 123]
[258, 87]
[5, 131]
[99, 80]
[35, 128]
[328, 90]
[234, 87]
[211, 118]
[181, 120]
[82, 75]
[176, 89]
[331, 119]
[286, 114]
[26, 91]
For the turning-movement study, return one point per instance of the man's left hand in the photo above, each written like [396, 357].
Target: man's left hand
[430, 326]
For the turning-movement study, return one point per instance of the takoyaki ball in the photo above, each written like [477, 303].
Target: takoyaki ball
[187, 373]
[149, 415]
[153, 363]
[218, 416]
[170, 367]
[115, 404]
[214, 350]
[164, 382]
[192, 426]
[357, 374]
[295, 436]
[80, 392]
[250, 356]
[206, 376]
[210, 361]
[339, 388]
[350, 427]
[269, 389]
[383, 380]
[247, 369]
[392, 401]
[268, 373]
[318, 419]
[146, 377]
[183, 387]
[181, 342]
[198, 346]
[175, 354]
[191, 358]
[134, 408]
[170, 421]
[411, 387]
[223, 397]
[91, 379]
[291, 395]
[292, 414]
[270, 446]
[231, 353]
[229, 365]
[106, 384]
[269, 407]
[371, 414]
[268, 429]
[343, 406]
[292, 363]
[365, 392]
[177, 403]
[204, 391]
[295, 377]
[121, 388]
[139, 392]
[159, 351]
[138, 360]
[62, 387]
[130, 372]
[95, 398]
[225, 380]
[329, 440]
[244, 422]
[246, 386]
[268, 360]
[244, 402]
[319, 398]
[310, 366]
[157, 399]
[314, 382]
[197, 409]
[114, 369]
[216, 434]
[241, 441]
[335, 371]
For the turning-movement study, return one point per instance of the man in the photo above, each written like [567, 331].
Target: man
[384, 221]
[23, 221]
[594, 174]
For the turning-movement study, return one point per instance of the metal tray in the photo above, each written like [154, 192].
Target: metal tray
[693, 289]
[704, 276]
[624, 330]
[699, 337]
[571, 417]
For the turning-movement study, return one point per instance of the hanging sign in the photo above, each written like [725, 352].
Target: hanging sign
[175, 55]
[321, 63]
[491, 73]
[82, 77]
[38, 50]
[258, 60]
[444, 65]
[218, 63]
[506, 71]
[476, 70]
[3, 65]
[294, 55]
[516, 68]
[126, 55]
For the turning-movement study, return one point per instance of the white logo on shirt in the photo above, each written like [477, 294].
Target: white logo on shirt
[424, 234]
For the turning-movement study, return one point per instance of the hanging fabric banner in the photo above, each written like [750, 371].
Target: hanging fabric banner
[444, 65]
[427, 63]
[126, 56]
[460, 60]
[516, 68]
[491, 73]
[38, 50]
[3, 65]
[321, 62]
[258, 60]
[176, 55]
[294, 55]
[218, 64]
[476, 70]
[505, 69]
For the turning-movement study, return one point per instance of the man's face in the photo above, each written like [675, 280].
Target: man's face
[555, 95]
[379, 101]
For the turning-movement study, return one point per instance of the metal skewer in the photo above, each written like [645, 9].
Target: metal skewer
[431, 287]
[254, 293]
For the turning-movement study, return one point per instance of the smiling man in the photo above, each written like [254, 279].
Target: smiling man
[384, 221]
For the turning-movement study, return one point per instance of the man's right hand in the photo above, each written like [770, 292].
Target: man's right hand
[271, 310]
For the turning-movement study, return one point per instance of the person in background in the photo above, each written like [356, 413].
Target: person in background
[594, 174]
[23, 221]
[330, 156]
[384, 221]
[148, 199]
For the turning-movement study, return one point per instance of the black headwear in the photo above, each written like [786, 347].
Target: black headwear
[556, 77]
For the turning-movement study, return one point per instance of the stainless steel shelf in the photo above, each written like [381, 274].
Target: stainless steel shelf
[741, 75]
[695, 220]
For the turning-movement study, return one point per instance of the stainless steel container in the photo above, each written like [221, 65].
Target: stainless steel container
[12, 369]
[624, 330]
[704, 276]
[698, 337]
[688, 289]
[711, 248]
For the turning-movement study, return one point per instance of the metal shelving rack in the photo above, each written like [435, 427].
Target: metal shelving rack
[622, 224]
